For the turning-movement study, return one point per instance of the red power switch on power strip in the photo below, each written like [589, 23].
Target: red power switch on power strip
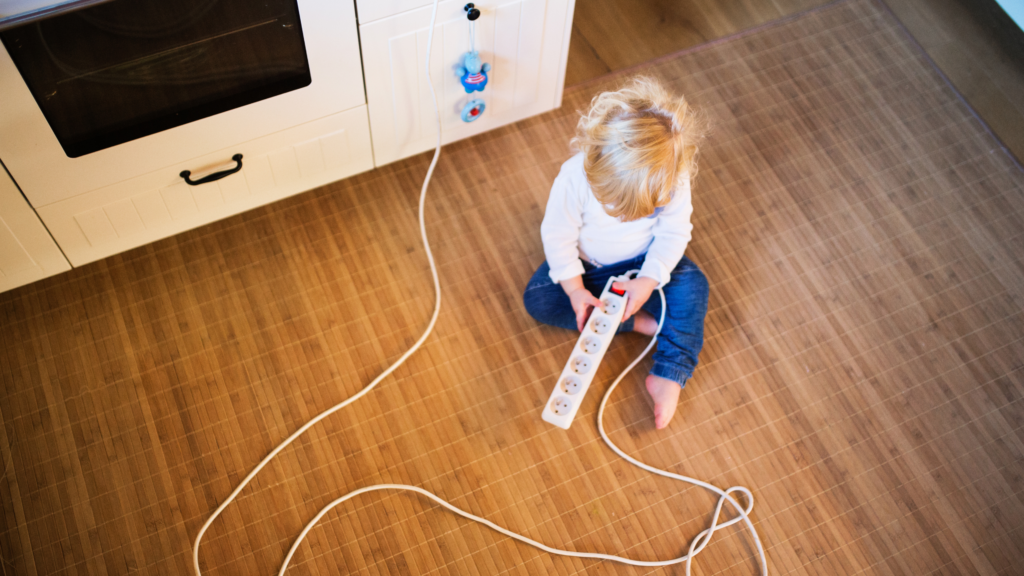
[618, 291]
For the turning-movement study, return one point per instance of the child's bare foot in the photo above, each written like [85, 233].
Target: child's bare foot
[665, 394]
[644, 323]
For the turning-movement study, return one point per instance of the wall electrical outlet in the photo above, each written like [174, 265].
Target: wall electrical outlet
[586, 356]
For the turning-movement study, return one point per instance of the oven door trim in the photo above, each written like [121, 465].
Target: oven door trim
[46, 175]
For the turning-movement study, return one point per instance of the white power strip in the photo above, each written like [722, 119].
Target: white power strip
[586, 356]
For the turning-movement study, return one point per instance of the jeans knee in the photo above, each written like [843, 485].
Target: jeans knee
[692, 285]
[533, 301]
[700, 282]
[529, 303]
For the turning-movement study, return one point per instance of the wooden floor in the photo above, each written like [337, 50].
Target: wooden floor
[863, 372]
[614, 35]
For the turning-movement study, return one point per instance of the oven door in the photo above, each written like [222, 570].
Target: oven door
[118, 90]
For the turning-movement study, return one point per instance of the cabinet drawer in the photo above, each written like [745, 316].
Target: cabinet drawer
[159, 204]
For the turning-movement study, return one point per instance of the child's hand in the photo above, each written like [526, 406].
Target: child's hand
[638, 290]
[582, 302]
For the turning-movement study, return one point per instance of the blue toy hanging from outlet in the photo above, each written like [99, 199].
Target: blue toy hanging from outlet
[472, 71]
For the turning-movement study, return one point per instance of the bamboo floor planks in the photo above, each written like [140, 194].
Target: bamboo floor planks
[862, 232]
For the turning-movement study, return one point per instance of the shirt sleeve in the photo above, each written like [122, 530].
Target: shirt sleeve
[671, 236]
[560, 230]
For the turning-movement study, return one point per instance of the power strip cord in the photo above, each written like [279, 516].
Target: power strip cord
[696, 545]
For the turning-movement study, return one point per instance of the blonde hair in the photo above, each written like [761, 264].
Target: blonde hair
[639, 144]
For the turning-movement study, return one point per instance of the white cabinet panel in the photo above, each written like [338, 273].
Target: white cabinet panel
[525, 41]
[27, 252]
[370, 10]
[156, 205]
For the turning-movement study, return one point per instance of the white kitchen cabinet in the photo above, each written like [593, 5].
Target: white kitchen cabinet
[525, 41]
[370, 10]
[27, 252]
[96, 204]
[159, 204]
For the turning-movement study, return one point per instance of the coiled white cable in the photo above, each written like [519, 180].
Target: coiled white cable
[696, 545]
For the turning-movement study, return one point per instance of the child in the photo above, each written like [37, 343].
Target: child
[623, 203]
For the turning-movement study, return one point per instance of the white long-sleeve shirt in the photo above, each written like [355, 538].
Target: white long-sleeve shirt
[576, 226]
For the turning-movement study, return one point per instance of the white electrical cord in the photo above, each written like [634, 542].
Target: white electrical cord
[696, 545]
[371, 385]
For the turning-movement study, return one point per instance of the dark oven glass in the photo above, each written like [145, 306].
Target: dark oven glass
[118, 71]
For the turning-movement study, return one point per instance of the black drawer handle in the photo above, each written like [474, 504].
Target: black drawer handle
[216, 175]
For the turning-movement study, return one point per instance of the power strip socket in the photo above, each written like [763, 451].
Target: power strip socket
[586, 356]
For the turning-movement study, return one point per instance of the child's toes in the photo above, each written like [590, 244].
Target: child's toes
[665, 394]
[663, 414]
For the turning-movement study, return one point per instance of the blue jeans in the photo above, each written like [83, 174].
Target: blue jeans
[686, 295]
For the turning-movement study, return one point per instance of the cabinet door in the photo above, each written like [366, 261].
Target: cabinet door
[525, 41]
[27, 253]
